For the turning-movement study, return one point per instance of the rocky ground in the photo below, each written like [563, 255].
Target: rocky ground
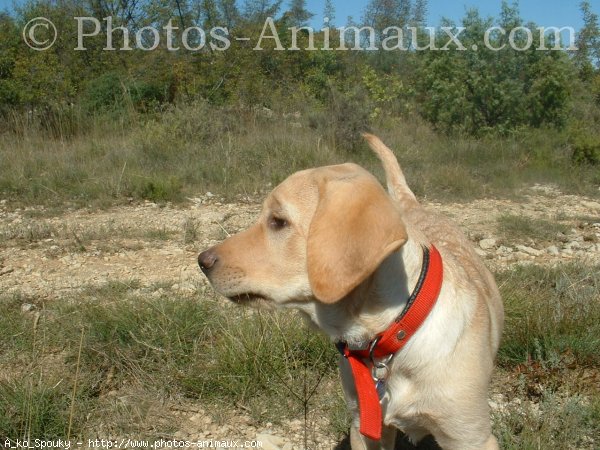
[47, 254]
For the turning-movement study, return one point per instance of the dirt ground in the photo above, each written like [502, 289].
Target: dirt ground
[155, 244]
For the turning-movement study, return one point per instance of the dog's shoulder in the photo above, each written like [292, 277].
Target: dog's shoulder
[453, 244]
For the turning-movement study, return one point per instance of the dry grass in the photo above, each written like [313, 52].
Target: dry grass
[157, 347]
[192, 149]
[515, 228]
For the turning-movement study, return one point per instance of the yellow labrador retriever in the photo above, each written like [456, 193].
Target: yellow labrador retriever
[366, 267]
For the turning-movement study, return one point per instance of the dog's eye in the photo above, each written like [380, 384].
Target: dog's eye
[277, 223]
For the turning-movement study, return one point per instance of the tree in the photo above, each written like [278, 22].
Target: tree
[158, 12]
[404, 11]
[587, 56]
[477, 91]
[127, 12]
[209, 14]
[381, 14]
[298, 13]
[419, 15]
[257, 11]
[329, 12]
[229, 12]
[9, 36]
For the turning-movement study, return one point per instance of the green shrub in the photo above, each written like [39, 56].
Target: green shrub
[160, 189]
[146, 95]
[111, 91]
[478, 91]
[104, 93]
[586, 150]
[346, 116]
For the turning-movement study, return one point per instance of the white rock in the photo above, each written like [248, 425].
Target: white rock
[572, 245]
[27, 307]
[270, 441]
[529, 250]
[553, 250]
[296, 424]
[591, 205]
[196, 418]
[6, 270]
[487, 244]
[503, 250]
[480, 252]
[520, 256]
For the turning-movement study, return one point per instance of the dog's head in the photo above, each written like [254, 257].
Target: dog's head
[321, 233]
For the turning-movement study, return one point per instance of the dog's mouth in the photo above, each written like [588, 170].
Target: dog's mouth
[247, 297]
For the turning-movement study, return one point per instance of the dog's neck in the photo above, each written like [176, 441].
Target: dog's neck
[373, 305]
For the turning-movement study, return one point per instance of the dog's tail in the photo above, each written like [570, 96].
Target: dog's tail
[396, 183]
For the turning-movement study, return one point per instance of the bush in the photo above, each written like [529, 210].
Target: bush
[596, 89]
[345, 117]
[111, 91]
[586, 150]
[474, 92]
[104, 93]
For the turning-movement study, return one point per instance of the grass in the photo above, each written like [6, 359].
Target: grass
[171, 347]
[180, 153]
[36, 409]
[268, 364]
[460, 169]
[519, 228]
[32, 231]
[192, 149]
[551, 422]
[553, 315]
[190, 230]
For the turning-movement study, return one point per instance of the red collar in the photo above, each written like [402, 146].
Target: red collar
[386, 344]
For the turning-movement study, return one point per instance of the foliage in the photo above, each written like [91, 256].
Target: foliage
[471, 92]
[479, 91]
[586, 149]
[587, 58]
[298, 13]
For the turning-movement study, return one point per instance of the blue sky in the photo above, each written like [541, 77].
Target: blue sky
[543, 12]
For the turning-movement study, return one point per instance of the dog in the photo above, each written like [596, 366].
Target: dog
[414, 311]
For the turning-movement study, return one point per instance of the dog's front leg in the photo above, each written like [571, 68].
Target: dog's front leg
[359, 442]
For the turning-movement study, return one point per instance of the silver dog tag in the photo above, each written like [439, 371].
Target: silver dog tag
[380, 386]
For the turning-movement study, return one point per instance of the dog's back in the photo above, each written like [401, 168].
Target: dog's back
[441, 232]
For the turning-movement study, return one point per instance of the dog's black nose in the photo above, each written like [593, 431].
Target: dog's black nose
[207, 260]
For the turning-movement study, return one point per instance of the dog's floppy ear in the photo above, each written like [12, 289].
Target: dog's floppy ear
[355, 227]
